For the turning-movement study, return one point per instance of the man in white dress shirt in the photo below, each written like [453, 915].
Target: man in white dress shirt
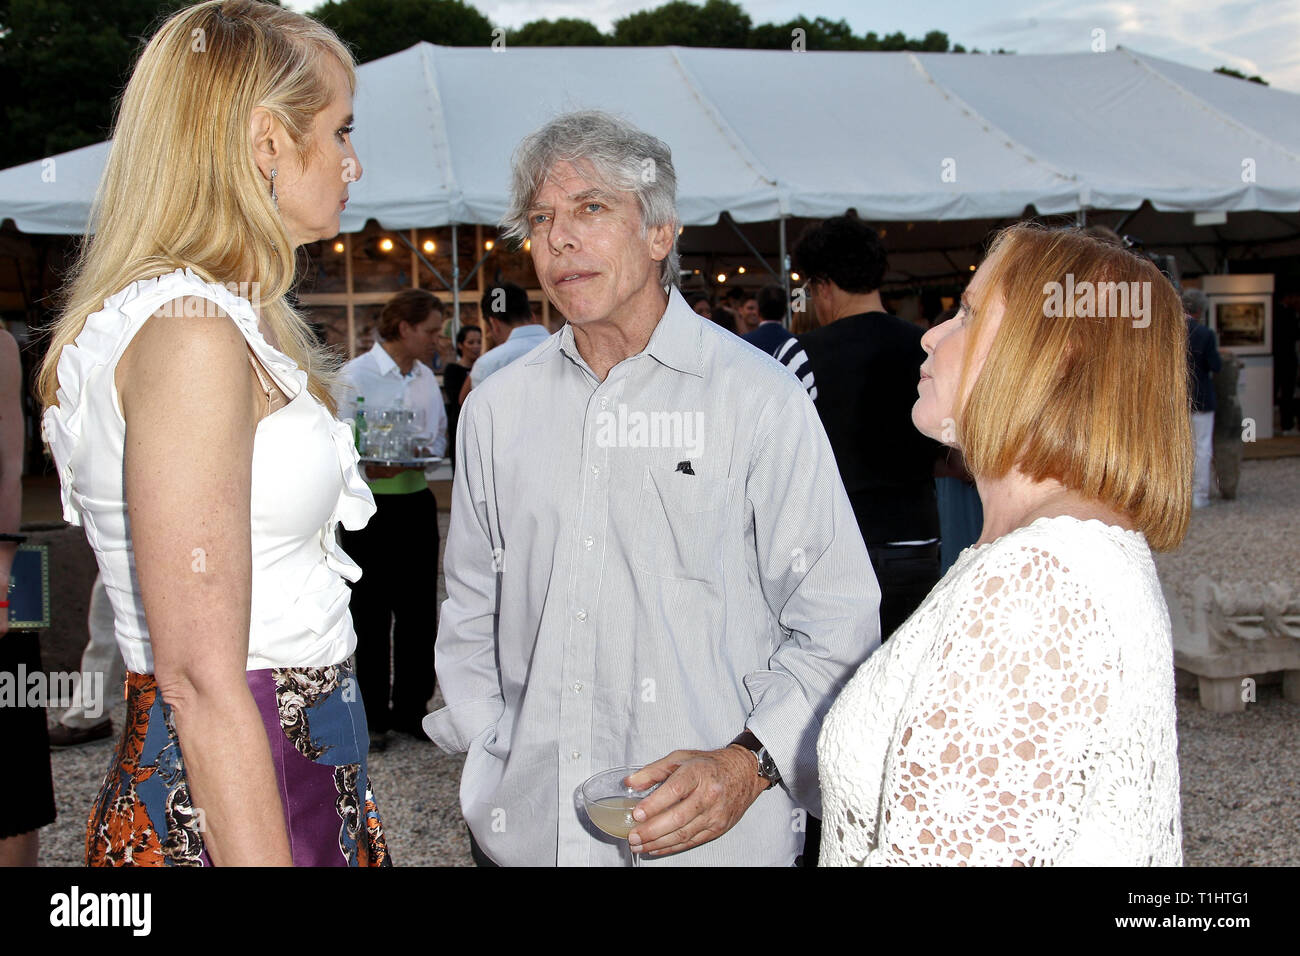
[398, 548]
[651, 559]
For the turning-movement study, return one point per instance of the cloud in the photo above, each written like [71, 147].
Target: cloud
[1254, 36]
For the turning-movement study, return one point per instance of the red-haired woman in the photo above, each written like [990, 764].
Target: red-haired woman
[1024, 714]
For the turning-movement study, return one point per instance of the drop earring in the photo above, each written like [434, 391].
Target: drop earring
[274, 199]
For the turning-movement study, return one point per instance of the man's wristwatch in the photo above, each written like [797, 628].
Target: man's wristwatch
[766, 765]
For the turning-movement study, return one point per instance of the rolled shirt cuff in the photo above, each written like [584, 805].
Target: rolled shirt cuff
[456, 726]
[783, 722]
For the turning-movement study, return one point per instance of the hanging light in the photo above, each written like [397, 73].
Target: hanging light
[386, 244]
[430, 246]
[794, 277]
[528, 245]
[722, 277]
[488, 244]
[338, 247]
[741, 270]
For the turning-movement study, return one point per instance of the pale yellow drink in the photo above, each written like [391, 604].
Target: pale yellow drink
[613, 815]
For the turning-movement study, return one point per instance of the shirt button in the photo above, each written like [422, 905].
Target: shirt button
[604, 401]
[588, 541]
[595, 471]
[575, 755]
[577, 687]
[581, 615]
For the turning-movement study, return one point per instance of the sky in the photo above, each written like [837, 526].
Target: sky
[1254, 36]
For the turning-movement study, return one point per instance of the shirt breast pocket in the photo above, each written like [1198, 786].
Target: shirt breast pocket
[680, 525]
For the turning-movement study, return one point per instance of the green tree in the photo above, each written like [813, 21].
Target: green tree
[63, 66]
[936, 41]
[375, 28]
[818, 34]
[1228, 71]
[824, 34]
[565, 31]
[716, 23]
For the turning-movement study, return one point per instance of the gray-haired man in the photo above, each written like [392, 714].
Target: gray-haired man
[651, 553]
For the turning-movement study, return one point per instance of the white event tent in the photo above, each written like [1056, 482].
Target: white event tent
[952, 143]
[768, 135]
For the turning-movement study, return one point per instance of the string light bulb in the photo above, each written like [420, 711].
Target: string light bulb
[386, 244]
[430, 246]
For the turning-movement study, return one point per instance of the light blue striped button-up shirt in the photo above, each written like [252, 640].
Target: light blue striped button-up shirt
[522, 340]
[649, 563]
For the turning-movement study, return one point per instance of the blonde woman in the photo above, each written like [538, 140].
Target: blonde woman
[190, 418]
[1024, 714]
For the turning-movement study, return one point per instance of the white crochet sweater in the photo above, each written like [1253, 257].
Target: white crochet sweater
[1024, 715]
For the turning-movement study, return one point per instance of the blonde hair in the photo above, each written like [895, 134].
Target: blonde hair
[1099, 403]
[181, 188]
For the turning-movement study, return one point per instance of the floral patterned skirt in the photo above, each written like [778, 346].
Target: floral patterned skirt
[316, 726]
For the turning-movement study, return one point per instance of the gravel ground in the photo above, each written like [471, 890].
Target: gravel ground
[1240, 772]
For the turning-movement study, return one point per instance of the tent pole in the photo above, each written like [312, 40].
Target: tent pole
[455, 283]
[1119, 227]
[481, 259]
[750, 246]
[785, 273]
[419, 257]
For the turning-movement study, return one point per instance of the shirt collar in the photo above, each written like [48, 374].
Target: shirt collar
[383, 360]
[527, 331]
[676, 342]
[387, 366]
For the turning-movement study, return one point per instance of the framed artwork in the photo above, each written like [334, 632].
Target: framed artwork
[1243, 323]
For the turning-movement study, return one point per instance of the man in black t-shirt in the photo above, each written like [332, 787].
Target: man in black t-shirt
[866, 363]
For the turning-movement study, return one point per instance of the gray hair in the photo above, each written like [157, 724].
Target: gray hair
[622, 156]
[1195, 302]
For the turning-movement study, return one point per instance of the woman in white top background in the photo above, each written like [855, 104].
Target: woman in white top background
[189, 415]
[1024, 714]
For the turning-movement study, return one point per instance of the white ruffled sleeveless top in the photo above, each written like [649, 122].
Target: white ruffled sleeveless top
[1024, 714]
[304, 484]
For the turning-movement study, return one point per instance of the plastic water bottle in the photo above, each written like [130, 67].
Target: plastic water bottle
[359, 425]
